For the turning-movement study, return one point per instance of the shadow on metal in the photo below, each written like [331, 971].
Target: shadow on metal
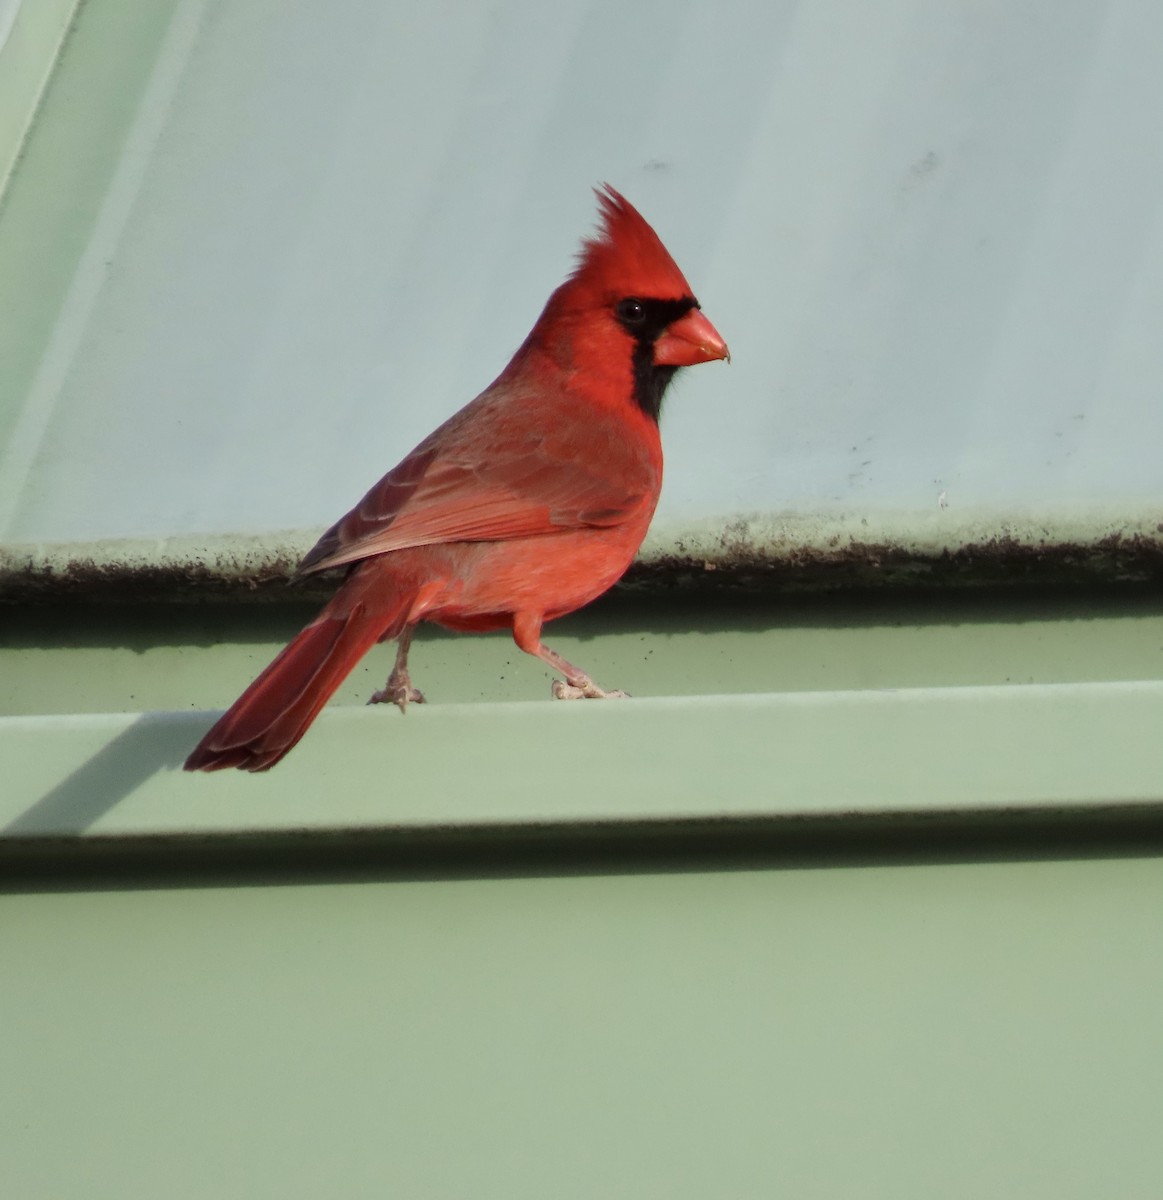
[154, 742]
[615, 848]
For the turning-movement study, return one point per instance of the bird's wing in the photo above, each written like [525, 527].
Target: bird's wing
[494, 476]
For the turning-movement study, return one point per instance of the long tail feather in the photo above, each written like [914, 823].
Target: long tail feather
[266, 721]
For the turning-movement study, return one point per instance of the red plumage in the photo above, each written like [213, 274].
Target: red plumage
[525, 505]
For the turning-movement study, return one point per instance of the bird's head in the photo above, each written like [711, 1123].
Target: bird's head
[627, 310]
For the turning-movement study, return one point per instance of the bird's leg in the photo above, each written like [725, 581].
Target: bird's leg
[577, 685]
[399, 690]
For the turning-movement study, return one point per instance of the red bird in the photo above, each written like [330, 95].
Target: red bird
[528, 503]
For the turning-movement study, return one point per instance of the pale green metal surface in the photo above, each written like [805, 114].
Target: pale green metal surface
[951, 1027]
[52, 210]
[132, 660]
[815, 709]
[968, 1031]
[951, 751]
[31, 33]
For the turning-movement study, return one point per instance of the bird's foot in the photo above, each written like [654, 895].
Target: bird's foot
[584, 689]
[398, 691]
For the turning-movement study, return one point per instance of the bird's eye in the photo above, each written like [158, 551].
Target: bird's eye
[631, 311]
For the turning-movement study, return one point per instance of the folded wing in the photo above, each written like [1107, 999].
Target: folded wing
[495, 479]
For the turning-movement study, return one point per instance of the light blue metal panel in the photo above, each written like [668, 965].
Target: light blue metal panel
[931, 236]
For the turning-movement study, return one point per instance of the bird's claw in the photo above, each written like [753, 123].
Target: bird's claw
[399, 693]
[585, 690]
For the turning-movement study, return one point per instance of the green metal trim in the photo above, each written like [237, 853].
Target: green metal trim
[61, 208]
[772, 760]
[27, 58]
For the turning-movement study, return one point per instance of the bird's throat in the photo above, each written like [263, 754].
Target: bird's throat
[650, 380]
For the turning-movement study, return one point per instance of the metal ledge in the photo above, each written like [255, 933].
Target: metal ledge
[754, 553]
[751, 766]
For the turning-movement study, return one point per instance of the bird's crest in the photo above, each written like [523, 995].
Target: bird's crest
[626, 255]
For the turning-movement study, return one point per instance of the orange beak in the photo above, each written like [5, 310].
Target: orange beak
[689, 340]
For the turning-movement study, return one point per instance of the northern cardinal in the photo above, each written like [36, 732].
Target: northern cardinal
[528, 503]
